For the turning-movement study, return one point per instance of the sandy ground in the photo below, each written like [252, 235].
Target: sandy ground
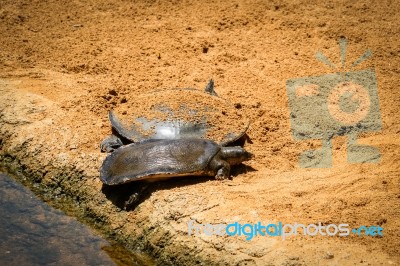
[64, 65]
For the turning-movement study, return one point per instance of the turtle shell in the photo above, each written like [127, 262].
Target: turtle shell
[179, 113]
[158, 159]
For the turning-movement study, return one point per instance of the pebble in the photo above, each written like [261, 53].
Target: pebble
[329, 255]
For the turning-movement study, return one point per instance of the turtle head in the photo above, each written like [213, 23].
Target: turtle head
[235, 155]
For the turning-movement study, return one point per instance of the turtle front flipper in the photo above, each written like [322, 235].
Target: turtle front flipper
[223, 172]
[110, 143]
[221, 167]
[130, 134]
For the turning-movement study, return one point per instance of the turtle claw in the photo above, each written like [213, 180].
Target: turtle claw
[221, 175]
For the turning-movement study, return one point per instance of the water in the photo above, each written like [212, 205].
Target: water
[33, 233]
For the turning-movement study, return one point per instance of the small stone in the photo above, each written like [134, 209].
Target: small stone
[112, 92]
[381, 221]
[73, 147]
[238, 105]
[329, 255]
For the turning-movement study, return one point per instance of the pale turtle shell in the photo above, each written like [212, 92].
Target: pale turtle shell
[179, 113]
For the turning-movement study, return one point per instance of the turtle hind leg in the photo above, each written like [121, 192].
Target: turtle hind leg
[126, 196]
[220, 167]
[135, 198]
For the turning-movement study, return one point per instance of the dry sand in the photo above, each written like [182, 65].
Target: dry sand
[64, 65]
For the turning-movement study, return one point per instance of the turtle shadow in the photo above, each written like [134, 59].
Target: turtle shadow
[120, 195]
[241, 169]
[129, 196]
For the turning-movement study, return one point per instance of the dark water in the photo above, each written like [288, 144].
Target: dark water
[33, 233]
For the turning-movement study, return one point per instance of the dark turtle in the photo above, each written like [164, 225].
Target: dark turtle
[161, 159]
[177, 114]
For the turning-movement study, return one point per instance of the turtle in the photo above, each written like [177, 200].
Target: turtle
[157, 159]
[153, 160]
[175, 114]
